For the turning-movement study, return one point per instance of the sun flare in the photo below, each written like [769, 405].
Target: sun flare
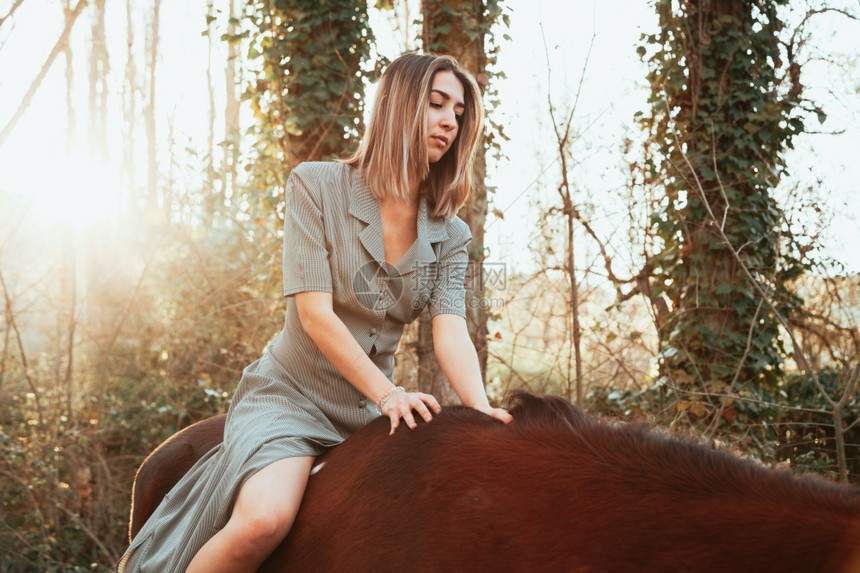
[76, 189]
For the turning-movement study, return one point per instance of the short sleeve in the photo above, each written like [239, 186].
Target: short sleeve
[449, 289]
[306, 265]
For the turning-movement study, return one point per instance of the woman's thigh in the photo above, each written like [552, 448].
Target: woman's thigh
[271, 497]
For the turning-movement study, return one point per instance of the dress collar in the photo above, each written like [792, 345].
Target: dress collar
[365, 207]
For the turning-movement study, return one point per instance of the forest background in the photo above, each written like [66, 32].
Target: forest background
[665, 227]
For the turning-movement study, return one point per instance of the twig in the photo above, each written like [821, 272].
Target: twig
[11, 11]
[34, 87]
[713, 427]
[113, 557]
[13, 324]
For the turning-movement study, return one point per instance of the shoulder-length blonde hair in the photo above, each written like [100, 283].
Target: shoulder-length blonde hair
[394, 147]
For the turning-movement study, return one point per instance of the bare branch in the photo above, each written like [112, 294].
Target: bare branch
[11, 11]
[713, 427]
[113, 557]
[13, 325]
[34, 87]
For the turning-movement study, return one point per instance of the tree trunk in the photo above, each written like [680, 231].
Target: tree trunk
[152, 203]
[309, 91]
[315, 120]
[721, 268]
[573, 376]
[573, 310]
[232, 134]
[210, 193]
[71, 117]
[721, 126]
[99, 64]
[67, 323]
[129, 110]
[455, 28]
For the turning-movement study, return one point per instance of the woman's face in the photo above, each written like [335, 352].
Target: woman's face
[446, 109]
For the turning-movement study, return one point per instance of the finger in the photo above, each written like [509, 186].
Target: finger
[431, 401]
[422, 410]
[502, 414]
[408, 417]
[435, 405]
[395, 421]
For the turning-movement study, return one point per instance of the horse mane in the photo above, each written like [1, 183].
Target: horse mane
[545, 412]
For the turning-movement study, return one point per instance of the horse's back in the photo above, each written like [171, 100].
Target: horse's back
[166, 465]
[558, 491]
[554, 490]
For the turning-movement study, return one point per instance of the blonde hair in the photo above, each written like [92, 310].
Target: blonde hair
[394, 146]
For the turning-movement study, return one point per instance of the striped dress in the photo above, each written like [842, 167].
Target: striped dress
[292, 401]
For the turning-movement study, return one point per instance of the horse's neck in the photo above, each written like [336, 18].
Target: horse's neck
[853, 563]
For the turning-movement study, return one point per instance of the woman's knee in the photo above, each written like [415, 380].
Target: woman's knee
[267, 505]
[258, 533]
[270, 526]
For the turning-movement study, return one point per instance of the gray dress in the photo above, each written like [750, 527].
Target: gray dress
[292, 401]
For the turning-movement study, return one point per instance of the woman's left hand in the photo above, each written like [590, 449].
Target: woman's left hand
[498, 413]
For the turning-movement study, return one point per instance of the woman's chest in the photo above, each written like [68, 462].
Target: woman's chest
[399, 222]
[379, 270]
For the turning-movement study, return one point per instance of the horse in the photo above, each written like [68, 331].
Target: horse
[554, 490]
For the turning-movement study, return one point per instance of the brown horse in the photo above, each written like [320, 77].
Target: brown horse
[555, 490]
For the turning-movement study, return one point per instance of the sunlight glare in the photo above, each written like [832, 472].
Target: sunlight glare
[78, 190]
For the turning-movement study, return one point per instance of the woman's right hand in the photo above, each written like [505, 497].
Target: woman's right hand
[401, 404]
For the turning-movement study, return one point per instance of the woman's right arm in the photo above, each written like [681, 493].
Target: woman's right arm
[337, 344]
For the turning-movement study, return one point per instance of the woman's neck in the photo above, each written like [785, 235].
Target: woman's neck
[414, 188]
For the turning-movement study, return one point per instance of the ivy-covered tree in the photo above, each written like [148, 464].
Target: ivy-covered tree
[309, 95]
[462, 30]
[721, 117]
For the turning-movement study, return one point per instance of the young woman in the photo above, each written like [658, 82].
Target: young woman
[368, 243]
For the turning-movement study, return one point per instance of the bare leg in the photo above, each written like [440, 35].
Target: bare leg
[262, 516]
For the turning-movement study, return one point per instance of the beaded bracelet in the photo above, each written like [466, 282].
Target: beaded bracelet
[384, 398]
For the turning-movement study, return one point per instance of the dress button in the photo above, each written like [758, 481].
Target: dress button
[362, 403]
[373, 332]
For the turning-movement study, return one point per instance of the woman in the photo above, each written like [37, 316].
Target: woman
[368, 243]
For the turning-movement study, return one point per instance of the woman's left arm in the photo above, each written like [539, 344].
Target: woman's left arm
[459, 361]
